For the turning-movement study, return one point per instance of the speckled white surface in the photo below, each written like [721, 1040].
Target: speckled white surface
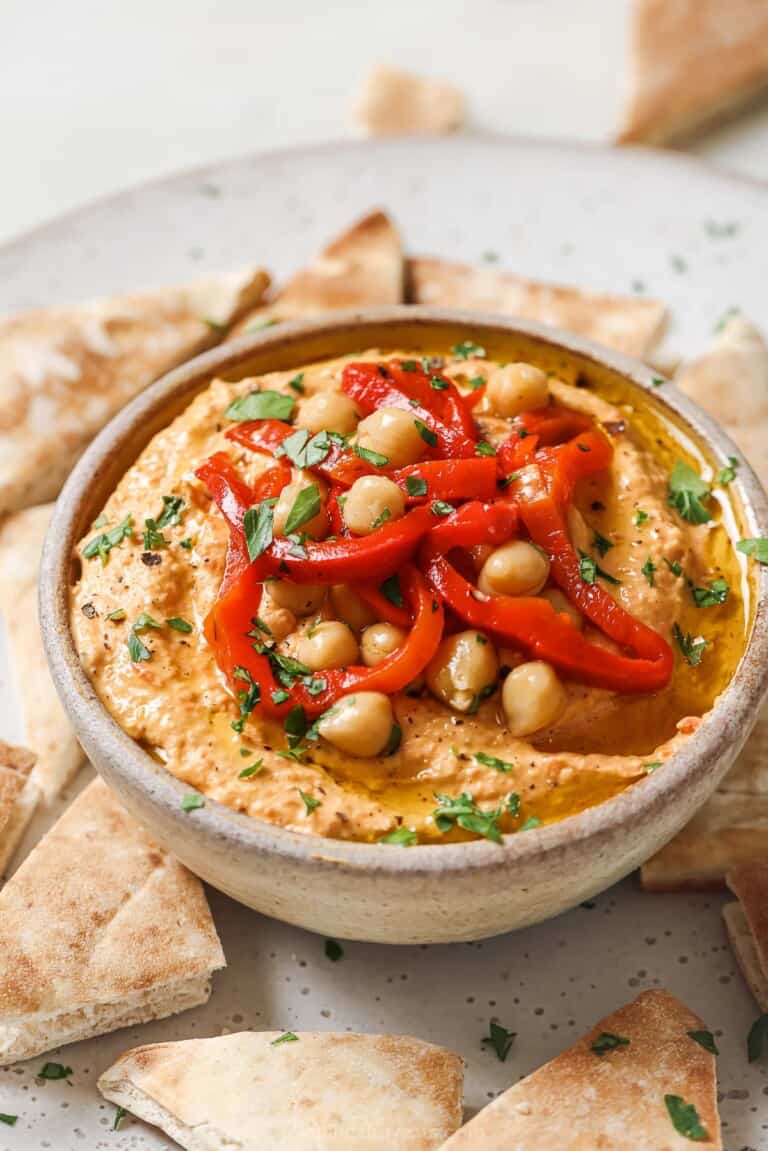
[602, 220]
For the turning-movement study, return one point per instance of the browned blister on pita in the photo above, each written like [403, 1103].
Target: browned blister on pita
[627, 323]
[747, 924]
[311, 1091]
[64, 372]
[692, 61]
[361, 268]
[398, 103]
[628, 1084]
[44, 724]
[99, 928]
[15, 766]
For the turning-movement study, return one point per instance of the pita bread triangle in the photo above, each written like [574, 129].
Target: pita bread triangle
[692, 60]
[64, 372]
[361, 268]
[99, 928]
[747, 924]
[15, 766]
[615, 1101]
[315, 1091]
[629, 324]
[46, 729]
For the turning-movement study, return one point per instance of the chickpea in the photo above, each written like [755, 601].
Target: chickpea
[517, 388]
[371, 502]
[359, 724]
[329, 412]
[532, 697]
[317, 527]
[380, 640]
[462, 668]
[280, 621]
[392, 432]
[348, 606]
[516, 568]
[301, 599]
[563, 605]
[328, 644]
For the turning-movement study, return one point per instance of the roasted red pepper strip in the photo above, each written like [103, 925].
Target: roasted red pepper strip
[352, 558]
[374, 386]
[532, 622]
[372, 594]
[554, 424]
[340, 466]
[450, 479]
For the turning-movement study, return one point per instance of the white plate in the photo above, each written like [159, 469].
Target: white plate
[605, 220]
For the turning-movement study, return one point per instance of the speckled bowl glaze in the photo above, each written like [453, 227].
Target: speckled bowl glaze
[426, 894]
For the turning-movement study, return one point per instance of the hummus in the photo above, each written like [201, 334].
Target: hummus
[158, 553]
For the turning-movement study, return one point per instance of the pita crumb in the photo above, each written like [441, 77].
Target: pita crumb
[394, 103]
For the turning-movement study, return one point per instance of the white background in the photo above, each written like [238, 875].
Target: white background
[96, 95]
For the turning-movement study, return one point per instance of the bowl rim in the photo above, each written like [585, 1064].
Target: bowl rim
[728, 722]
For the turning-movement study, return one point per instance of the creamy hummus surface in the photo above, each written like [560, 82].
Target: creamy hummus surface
[152, 566]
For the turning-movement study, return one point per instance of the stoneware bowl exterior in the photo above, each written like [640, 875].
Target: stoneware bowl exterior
[425, 894]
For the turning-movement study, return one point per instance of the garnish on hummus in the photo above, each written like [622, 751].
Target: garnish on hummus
[440, 597]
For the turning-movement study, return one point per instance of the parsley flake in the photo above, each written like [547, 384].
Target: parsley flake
[416, 486]
[54, 1071]
[297, 383]
[102, 544]
[391, 590]
[179, 624]
[286, 1037]
[648, 570]
[590, 570]
[370, 456]
[120, 1114]
[685, 1118]
[692, 648]
[500, 1040]
[601, 543]
[467, 349]
[640, 518]
[441, 508]
[305, 508]
[462, 810]
[333, 950]
[303, 450]
[606, 1041]
[192, 801]
[428, 436]
[309, 801]
[757, 1038]
[401, 837]
[258, 525]
[261, 406]
[706, 1040]
[715, 593]
[9, 1120]
[756, 547]
[686, 491]
[493, 761]
[728, 474]
[483, 448]
[251, 770]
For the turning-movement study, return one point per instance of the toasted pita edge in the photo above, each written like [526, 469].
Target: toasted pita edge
[146, 1081]
[702, 86]
[29, 1033]
[631, 324]
[18, 797]
[744, 948]
[361, 267]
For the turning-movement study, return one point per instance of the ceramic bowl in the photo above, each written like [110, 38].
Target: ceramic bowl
[424, 894]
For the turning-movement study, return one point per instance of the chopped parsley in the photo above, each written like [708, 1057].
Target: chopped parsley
[466, 349]
[728, 474]
[409, 365]
[280, 695]
[54, 1071]
[648, 570]
[649, 768]
[476, 382]
[391, 590]
[441, 508]
[493, 761]
[428, 436]
[606, 1041]
[706, 1040]
[675, 567]
[416, 486]
[401, 837]
[9, 1120]
[258, 524]
[757, 548]
[309, 801]
[483, 448]
[657, 381]
[117, 615]
[251, 770]
[102, 544]
[297, 383]
[757, 1039]
[305, 508]
[120, 1114]
[395, 739]
[685, 1118]
[303, 450]
[640, 518]
[186, 544]
[601, 543]
[590, 570]
[687, 490]
[333, 950]
[462, 811]
[179, 624]
[192, 800]
[171, 513]
[438, 384]
[154, 540]
[715, 593]
[500, 1040]
[692, 648]
[382, 518]
[137, 649]
[286, 1037]
[370, 457]
[248, 698]
[261, 406]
